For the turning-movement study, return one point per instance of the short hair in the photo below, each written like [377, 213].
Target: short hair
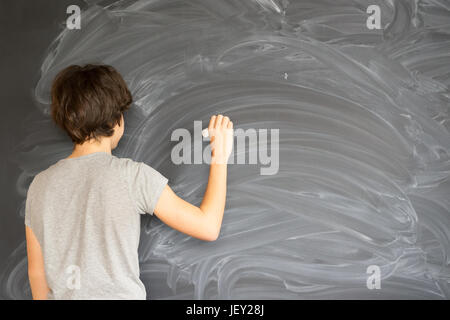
[88, 101]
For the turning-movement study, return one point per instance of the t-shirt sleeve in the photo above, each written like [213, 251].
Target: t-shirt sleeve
[27, 212]
[28, 205]
[146, 186]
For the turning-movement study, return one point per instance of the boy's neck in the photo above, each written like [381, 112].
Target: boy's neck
[91, 146]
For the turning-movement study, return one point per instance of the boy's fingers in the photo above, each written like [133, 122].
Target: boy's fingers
[230, 125]
[212, 122]
[219, 121]
[225, 121]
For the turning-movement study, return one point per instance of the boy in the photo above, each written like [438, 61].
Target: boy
[82, 214]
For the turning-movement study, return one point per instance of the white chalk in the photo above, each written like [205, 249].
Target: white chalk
[205, 133]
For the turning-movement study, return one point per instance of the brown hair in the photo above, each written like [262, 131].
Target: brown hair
[88, 101]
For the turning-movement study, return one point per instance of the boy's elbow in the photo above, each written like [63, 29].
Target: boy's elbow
[210, 225]
[213, 237]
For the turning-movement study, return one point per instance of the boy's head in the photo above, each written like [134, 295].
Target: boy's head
[88, 102]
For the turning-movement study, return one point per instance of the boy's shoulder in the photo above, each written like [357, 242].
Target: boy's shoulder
[133, 168]
[41, 179]
[43, 175]
[124, 160]
[125, 163]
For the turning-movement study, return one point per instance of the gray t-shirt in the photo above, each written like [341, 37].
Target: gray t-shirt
[85, 213]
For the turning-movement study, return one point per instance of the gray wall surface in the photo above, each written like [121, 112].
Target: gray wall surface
[364, 138]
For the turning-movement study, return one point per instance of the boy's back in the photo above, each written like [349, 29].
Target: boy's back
[91, 206]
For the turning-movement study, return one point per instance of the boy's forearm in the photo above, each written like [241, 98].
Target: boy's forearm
[213, 204]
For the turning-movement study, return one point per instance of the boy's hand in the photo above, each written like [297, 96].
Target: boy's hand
[220, 130]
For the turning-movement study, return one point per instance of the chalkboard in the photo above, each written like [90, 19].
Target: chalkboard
[358, 205]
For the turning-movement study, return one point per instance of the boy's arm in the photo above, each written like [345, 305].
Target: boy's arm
[36, 273]
[202, 222]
